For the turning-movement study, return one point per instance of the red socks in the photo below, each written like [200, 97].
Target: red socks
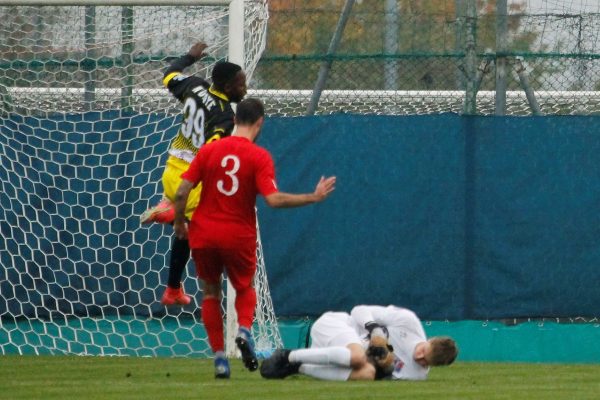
[213, 323]
[245, 303]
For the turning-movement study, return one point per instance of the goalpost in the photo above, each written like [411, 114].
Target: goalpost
[84, 158]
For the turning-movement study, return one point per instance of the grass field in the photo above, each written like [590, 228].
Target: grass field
[73, 377]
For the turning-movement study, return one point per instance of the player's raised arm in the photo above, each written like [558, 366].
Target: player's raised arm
[195, 53]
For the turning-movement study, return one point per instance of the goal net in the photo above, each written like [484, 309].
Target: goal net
[83, 141]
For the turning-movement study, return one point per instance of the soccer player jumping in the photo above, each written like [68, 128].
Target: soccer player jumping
[207, 116]
[222, 231]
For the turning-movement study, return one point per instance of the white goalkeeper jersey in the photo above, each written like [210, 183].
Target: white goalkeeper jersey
[405, 332]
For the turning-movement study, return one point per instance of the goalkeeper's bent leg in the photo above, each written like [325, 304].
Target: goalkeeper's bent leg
[338, 356]
[326, 372]
[180, 254]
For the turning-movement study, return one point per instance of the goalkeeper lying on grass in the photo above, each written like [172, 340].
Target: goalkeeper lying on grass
[370, 343]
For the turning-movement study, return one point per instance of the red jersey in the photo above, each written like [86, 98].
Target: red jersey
[233, 171]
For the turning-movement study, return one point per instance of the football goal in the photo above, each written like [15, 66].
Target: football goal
[78, 274]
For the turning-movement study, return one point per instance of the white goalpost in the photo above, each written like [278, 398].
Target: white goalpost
[78, 274]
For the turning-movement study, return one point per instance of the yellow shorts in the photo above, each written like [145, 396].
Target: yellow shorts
[172, 178]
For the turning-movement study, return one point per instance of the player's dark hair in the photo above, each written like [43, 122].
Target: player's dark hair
[249, 111]
[224, 72]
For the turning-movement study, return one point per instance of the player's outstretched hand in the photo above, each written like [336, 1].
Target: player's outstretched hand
[197, 50]
[324, 187]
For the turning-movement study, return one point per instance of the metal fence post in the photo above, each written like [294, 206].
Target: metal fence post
[470, 105]
[89, 94]
[390, 44]
[501, 62]
[326, 66]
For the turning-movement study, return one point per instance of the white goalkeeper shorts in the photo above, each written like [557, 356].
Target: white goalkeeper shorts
[334, 329]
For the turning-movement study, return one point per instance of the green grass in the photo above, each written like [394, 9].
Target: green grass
[73, 377]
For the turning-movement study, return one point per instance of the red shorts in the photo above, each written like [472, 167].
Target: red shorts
[239, 264]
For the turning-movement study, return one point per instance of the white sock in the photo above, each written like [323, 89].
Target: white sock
[339, 356]
[326, 372]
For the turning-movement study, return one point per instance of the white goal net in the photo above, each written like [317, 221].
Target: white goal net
[82, 148]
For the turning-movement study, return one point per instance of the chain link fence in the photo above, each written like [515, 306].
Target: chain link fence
[515, 57]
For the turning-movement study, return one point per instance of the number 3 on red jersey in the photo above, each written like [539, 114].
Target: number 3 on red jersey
[232, 165]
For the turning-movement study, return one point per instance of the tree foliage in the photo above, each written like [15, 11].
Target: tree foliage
[423, 40]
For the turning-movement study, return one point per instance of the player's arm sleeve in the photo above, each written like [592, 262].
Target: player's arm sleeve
[173, 78]
[177, 67]
[385, 316]
[265, 176]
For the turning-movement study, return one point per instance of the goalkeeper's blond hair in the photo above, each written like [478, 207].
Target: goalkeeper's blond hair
[443, 350]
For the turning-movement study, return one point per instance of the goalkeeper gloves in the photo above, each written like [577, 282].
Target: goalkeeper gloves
[375, 329]
[381, 354]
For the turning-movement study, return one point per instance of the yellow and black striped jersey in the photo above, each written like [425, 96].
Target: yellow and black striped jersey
[207, 113]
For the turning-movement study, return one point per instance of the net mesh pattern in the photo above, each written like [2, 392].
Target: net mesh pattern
[84, 133]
